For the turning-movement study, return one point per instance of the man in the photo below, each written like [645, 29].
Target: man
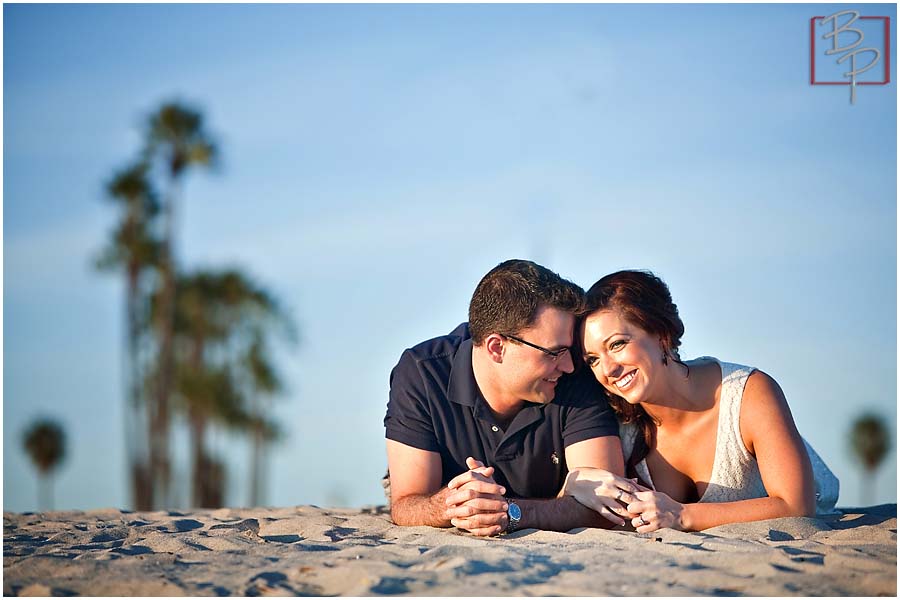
[483, 424]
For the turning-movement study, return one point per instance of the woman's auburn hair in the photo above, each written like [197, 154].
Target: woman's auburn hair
[644, 300]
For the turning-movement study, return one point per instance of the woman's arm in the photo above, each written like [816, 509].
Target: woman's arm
[769, 433]
[595, 478]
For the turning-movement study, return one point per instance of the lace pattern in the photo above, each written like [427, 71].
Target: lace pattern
[735, 473]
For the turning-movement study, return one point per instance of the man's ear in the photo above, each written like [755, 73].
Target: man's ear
[494, 346]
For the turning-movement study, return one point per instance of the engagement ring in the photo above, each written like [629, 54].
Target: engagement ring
[619, 495]
[643, 522]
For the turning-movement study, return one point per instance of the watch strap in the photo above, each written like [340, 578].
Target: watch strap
[513, 515]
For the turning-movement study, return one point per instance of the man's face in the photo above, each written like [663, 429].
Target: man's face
[530, 374]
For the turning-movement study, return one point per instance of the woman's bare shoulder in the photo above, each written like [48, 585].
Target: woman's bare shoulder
[761, 388]
[764, 409]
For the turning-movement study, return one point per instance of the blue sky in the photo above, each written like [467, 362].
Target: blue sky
[378, 160]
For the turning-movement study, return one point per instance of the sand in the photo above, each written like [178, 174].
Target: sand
[307, 550]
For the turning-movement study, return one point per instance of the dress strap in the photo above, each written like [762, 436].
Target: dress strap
[732, 457]
[734, 379]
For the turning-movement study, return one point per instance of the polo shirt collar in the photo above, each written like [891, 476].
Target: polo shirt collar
[462, 388]
[530, 413]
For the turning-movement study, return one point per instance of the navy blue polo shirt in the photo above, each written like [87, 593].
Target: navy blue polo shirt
[435, 405]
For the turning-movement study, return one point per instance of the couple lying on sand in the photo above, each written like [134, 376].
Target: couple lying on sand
[555, 409]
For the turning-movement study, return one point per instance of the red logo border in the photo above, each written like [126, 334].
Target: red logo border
[887, 52]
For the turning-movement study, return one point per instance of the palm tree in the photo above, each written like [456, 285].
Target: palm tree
[869, 442]
[262, 382]
[205, 390]
[207, 393]
[177, 141]
[134, 250]
[220, 320]
[45, 443]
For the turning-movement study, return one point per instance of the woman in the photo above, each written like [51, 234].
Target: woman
[712, 442]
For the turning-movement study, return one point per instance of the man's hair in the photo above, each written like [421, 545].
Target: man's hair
[507, 299]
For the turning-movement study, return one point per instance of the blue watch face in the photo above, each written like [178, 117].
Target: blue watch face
[514, 511]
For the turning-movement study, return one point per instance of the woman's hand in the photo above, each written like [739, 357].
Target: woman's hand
[603, 492]
[656, 510]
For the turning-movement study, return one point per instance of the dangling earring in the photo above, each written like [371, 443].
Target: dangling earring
[665, 361]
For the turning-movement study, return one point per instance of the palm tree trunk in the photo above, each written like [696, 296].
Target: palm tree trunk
[200, 469]
[868, 487]
[200, 480]
[256, 467]
[133, 403]
[128, 379]
[159, 446]
[45, 494]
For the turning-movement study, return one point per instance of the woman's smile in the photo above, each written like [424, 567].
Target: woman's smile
[623, 383]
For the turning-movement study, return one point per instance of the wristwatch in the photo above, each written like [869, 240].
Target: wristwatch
[514, 515]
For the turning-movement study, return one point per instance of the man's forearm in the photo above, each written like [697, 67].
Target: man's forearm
[558, 514]
[421, 509]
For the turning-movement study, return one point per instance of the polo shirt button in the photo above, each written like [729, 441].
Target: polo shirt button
[494, 428]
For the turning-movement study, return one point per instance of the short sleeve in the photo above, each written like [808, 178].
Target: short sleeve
[585, 408]
[408, 419]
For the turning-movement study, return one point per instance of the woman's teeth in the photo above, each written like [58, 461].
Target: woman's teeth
[624, 381]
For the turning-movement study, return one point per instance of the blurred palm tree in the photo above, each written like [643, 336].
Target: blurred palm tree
[176, 141]
[262, 383]
[221, 323]
[207, 394]
[134, 249]
[196, 343]
[869, 442]
[45, 443]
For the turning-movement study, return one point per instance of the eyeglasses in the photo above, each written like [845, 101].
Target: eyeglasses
[554, 354]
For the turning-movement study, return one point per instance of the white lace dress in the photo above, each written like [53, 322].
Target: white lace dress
[735, 472]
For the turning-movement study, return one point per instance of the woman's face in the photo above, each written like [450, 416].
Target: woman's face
[625, 359]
